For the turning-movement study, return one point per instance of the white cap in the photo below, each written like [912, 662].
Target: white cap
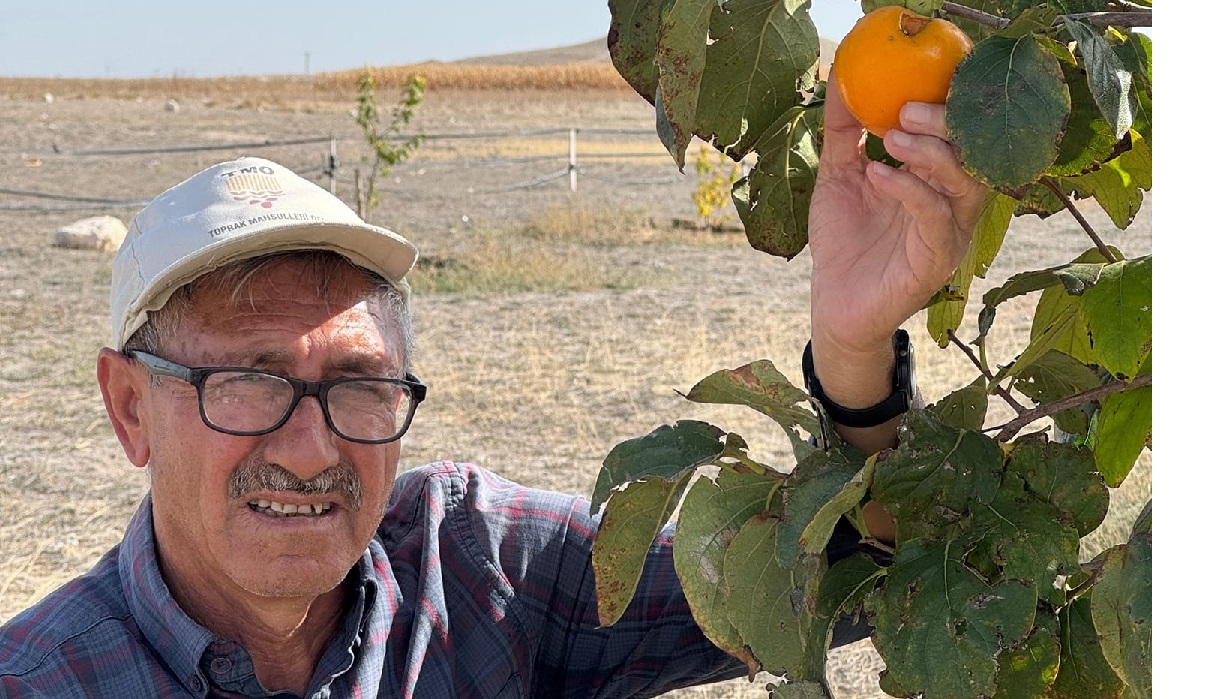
[232, 211]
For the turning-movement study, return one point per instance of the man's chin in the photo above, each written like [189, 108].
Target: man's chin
[292, 576]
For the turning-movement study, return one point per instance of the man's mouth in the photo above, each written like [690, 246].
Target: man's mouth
[279, 509]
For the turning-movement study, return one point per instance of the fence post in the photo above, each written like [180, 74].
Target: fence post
[331, 164]
[572, 167]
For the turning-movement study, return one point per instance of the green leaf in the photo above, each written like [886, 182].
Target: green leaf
[815, 496]
[773, 200]
[1110, 81]
[1007, 108]
[1119, 185]
[1136, 53]
[1088, 139]
[1075, 277]
[759, 385]
[966, 407]
[760, 55]
[1055, 376]
[1083, 670]
[1124, 426]
[1059, 325]
[1122, 610]
[1027, 670]
[629, 527]
[681, 56]
[1064, 476]
[711, 515]
[632, 43]
[840, 590]
[930, 479]
[946, 315]
[939, 627]
[1019, 537]
[1118, 312]
[767, 606]
[667, 452]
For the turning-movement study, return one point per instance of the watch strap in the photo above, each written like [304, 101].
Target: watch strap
[895, 404]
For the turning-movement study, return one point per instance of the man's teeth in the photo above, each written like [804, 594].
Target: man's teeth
[283, 510]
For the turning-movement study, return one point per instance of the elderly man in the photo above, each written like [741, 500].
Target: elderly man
[260, 371]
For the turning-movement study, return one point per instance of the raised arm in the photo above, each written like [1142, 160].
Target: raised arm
[883, 241]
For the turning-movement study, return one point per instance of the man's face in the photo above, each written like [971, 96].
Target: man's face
[206, 534]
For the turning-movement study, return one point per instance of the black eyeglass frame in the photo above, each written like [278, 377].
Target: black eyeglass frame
[196, 376]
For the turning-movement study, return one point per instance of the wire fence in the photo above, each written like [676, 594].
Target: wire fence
[477, 162]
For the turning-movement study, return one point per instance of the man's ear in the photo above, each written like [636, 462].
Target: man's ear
[125, 389]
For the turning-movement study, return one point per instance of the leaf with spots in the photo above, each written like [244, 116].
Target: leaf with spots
[761, 386]
[814, 497]
[1122, 610]
[773, 200]
[930, 479]
[940, 627]
[1064, 476]
[1118, 313]
[840, 590]
[1018, 536]
[1007, 108]
[667, 452]
[769, 608]
[1028, 669]
[1084, 672]
[633, 27]
[711, 515]
[629, 527]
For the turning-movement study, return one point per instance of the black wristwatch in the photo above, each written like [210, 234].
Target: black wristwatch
[895, 404]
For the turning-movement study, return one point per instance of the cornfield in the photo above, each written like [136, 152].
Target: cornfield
[324, 86]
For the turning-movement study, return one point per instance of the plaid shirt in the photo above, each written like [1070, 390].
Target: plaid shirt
[473, 587]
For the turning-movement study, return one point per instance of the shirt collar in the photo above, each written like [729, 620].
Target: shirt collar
[169, 631]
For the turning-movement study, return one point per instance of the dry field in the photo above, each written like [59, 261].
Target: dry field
[551, 325]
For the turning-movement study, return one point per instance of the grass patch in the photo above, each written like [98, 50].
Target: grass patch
[583, 222]
[506, 263]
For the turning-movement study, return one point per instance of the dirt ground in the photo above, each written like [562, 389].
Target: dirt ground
[536, 386]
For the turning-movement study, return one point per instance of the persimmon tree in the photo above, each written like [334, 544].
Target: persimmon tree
[985, 593]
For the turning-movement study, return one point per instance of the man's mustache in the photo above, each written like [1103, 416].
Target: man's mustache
[257, 474]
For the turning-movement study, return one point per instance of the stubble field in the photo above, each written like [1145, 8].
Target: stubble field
[550, 325]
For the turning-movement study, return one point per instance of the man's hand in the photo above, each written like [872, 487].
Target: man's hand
[883, 241]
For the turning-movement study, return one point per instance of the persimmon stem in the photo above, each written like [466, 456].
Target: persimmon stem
[1085, 225]
[1010, 429]
[998, 391]
[1140, 17]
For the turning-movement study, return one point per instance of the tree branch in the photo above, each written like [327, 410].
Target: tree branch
[1140, 17]
[998, 391]
[1010, 429]
[984, 18]
[1085, 225]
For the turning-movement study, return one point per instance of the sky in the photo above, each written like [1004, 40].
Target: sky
[144, 38]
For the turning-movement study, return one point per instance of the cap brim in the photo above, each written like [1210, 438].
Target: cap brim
[372, 247]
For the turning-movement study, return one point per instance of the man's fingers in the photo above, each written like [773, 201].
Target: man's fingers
[842, 132]
[943, 238]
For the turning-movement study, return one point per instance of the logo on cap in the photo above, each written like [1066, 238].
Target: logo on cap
[254, 185]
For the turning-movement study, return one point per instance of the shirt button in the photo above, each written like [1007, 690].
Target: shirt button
[220, 666]
[196, 684]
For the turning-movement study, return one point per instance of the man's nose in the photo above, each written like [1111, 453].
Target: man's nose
[304, 445]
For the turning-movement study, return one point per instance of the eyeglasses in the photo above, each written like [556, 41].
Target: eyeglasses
[249, 402]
